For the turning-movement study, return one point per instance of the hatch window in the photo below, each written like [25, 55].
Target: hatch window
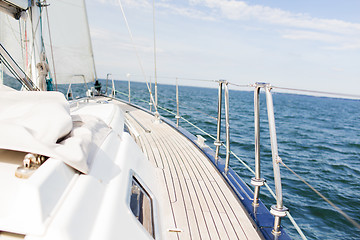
[141, 206]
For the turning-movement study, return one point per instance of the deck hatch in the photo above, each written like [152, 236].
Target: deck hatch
[141, 206]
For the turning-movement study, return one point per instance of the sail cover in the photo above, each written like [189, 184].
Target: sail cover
[39, 122]
[71, 43]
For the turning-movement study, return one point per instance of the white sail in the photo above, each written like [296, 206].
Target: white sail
[22, 40]
[11, 37]
[71, 43]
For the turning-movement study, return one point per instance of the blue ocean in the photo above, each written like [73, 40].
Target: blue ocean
[318, 137]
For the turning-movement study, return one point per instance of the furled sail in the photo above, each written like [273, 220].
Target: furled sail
[70, 38]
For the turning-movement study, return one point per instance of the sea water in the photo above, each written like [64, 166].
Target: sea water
[318, 137]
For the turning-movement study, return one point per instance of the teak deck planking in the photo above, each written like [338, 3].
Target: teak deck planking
[202, 205]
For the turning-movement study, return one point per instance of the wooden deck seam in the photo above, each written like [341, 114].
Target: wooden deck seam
[237, 216]
[240, 224]
[193, 161]
[182, 183]
[175, 173]
[202, 191]
[215, 193]
[212, 196]
[190, 187]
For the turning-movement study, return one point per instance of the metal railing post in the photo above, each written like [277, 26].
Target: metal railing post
[107, 80]
[257, 181]
[157, 115]
[128, 75]
[69, 94]
[156, 95]
[83, 76]
[218, 143]
[227, 126]
[177, 104]
[113, 91]
[277, 210]
[150, 102]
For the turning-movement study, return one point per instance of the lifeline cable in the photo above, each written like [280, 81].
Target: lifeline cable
[323, 197]
[318, 92]
[292, 220]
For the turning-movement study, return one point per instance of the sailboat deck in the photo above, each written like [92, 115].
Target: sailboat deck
[197, 201]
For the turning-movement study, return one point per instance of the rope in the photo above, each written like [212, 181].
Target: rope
[323, 197]
[298, 229]
[137, 53]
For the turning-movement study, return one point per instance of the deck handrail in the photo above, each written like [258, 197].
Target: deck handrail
[278, 210]
[277, 222]
[275, 155]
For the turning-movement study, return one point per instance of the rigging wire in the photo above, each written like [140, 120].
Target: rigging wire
[190, 79]
[137, 53]
[318, 92]
[195, 109]
[12, 29]
[303, 90]
[323, 197]
[239, 85]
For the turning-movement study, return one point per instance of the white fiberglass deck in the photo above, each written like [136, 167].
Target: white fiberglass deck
[198, 202]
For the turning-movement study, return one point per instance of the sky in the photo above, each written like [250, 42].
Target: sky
[304, 44]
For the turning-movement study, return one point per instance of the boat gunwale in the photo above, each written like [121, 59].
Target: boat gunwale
[263, 219]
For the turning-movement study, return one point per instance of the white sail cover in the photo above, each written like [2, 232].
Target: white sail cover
[35, 121]
[71, 41]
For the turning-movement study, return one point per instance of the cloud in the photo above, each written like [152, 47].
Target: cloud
[297, 26]
[129, 3]
[185, 11]
[294, 26]
[312, 35]
[240, 10]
